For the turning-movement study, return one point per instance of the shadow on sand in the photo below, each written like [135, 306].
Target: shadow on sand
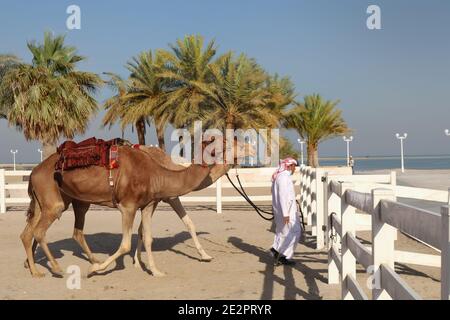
[108, 243]
[291, 291]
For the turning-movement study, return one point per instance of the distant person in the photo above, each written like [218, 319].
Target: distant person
[287, 223]
[351, 163]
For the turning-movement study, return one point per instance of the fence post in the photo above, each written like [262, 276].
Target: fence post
[348, 227]
[333, 206]
[320, 213]
[219, 195]
[326, 211]
[305, 192]
[2, 191]
[445, 254]
[312, 218]
[394, 185]
[393, 179]
[301, 187]
[382, 242]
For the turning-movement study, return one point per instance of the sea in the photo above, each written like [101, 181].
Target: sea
[392, 162]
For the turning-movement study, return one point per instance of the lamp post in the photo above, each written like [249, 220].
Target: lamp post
[40, 151]
[301, 149]
[14, 158]
[348, 140]
[401, 138]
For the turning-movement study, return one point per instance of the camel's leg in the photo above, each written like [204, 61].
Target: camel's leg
[27, 240]
[128, 214]
[138, 252]
[33, 250]
[80, 209]
[48, 216]
[179, 209]
[147, 214]
[35, 243]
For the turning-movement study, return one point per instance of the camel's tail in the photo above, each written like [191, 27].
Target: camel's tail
[32, 208]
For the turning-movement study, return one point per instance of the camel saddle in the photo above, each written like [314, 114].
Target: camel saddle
[90, 152]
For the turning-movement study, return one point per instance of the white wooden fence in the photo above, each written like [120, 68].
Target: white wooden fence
[341, 201]
[15, 183]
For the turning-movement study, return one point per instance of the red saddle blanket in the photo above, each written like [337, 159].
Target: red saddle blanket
[90, 152]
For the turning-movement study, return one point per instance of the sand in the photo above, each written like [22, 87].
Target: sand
[238, 240]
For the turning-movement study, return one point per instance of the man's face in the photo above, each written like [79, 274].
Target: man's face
[292, 168]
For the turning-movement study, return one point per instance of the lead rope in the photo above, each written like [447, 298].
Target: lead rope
[244, 195]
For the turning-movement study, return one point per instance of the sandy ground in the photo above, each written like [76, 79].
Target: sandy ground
[238, 240]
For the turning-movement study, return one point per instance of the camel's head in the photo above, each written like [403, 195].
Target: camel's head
[239, 150]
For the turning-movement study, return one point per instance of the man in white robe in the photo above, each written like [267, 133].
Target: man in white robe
[287, 223]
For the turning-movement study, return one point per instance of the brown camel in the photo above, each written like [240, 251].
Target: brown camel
[80, 207]
[140, 183]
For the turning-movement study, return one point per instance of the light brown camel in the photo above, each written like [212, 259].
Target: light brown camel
[140, 183]
[80, 208]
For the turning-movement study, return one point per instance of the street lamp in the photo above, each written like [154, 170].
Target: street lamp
[14, 158]
[401, 138]
[348, 140]
[40, 151]
[301, 148]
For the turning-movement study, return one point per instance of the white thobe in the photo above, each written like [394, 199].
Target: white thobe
[284, 205]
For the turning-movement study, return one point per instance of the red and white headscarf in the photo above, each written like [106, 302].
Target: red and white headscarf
[284, 164]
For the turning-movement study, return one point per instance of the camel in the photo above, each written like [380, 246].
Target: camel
[81, 208]
[140, 183]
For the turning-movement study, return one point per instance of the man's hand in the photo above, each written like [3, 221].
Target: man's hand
[286, 220]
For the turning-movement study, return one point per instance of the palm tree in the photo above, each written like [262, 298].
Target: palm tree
[185, 65]
[49, 98]
[316, 120]
[7, 62]
[116, 107]
[287, 149]
[236, 95]
[140, 98]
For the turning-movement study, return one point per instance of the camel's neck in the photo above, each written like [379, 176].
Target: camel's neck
[177, 183]
[216, 172]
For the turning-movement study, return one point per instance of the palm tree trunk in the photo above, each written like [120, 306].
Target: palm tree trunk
[313, 155]
[229, 122]
[48, 148]
[160, 136]
[140, 128]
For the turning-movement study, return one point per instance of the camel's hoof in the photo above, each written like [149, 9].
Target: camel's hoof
[206, 258]
[158, 274]
[58, 272]
[93, 268]
[37, 274]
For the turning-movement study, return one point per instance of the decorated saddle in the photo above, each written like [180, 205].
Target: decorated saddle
[90, 152]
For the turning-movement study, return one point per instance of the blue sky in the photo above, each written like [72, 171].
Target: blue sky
[390, 80]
